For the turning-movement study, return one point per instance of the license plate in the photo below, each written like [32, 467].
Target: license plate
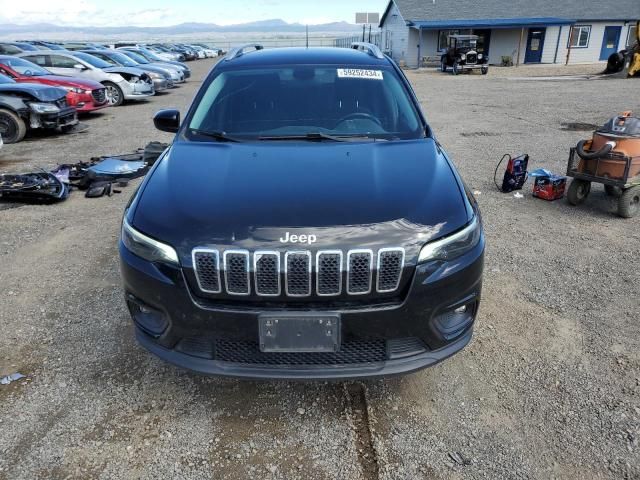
[299, 333]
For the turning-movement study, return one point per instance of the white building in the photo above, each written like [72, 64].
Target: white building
[526, 31]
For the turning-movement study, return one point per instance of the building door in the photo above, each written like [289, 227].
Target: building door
[610, 42]
[535, 44]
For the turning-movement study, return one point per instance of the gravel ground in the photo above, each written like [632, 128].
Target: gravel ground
[549, 387]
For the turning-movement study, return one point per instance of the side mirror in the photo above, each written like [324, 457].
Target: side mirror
[79, 66]
[167, 120]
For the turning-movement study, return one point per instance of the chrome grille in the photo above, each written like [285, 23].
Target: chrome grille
[236, 272]
[329, 273]
[266, 266]
[359, 271]
[472, 58]
[298, 273]
[269, 270]
[207, 266]
[390, 263]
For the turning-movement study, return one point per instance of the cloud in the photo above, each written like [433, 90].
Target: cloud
[82, 13]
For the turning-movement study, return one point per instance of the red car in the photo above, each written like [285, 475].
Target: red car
[84, 95]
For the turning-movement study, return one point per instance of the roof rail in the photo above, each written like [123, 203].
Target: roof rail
[238, 52]
[370, 48]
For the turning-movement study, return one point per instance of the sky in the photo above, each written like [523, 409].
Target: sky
[158, 13]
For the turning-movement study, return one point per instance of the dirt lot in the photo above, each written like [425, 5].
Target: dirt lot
[549, 387]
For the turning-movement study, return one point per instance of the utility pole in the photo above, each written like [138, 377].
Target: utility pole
[307, 36]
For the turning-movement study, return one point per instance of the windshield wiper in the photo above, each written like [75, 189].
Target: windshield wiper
[220, 136]
[317, 137]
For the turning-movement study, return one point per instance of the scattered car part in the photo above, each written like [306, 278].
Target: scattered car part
[11, 378]
[42, 187]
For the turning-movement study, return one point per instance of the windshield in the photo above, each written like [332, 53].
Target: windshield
[91, 60]
[152, 56]
[137, 57]
[122, 59]
[24, 67]
[303, 100]
[10, 49]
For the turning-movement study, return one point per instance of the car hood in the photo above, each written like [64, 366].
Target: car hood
[67, 81]
[43, 93]
[155, 69]
[346, 194]
[130, 70]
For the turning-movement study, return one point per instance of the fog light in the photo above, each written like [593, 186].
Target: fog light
[453, 323]
[151, 321]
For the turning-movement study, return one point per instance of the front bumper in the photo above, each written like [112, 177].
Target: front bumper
[376, 339]
[160, 84]
[65, 118]
[138, 90]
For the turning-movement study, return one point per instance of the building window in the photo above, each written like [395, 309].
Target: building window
[631, 37]
[579, 36]
[443, 38]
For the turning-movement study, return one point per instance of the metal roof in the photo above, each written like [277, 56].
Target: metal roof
[490, 23]
[429, 10]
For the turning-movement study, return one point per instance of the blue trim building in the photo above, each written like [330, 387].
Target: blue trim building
[415, 32]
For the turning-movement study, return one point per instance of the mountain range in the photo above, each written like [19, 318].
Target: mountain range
[264, 26]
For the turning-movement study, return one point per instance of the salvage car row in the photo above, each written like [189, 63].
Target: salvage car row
[45, 86]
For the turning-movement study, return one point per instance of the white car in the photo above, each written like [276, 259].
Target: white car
[121, 83]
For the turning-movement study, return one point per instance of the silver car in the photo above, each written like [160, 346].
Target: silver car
[121, 83]
[161, 77]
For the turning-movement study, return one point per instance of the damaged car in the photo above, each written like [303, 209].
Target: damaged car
[121, 83]
[162, 78]
[25, 106]
[84, 95]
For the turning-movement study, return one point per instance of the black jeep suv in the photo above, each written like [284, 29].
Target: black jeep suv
[305, 223]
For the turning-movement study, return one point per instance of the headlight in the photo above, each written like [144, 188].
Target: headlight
[453, 246]
[44, 107]
[479, 56]
[463, 56]
[156, 76]
[147, 247]
[76, 90]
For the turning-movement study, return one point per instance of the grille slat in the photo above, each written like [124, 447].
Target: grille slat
[99, 95]
[236, 272]
[207, 266]
[298, 273]
[329, 273]
[266, 266]
[390, 263]
[359, 271]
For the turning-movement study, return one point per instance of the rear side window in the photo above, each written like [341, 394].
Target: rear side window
[41, 60]
[58, 61]
[297, 100]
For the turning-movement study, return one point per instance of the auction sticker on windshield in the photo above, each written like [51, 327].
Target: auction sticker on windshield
[358, 73]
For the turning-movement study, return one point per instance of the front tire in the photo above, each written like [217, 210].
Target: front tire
[443, 65]
[578, 191]
[456, 68]
[484, 70]
[115, 97]
[12, 127]
[629, 202]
